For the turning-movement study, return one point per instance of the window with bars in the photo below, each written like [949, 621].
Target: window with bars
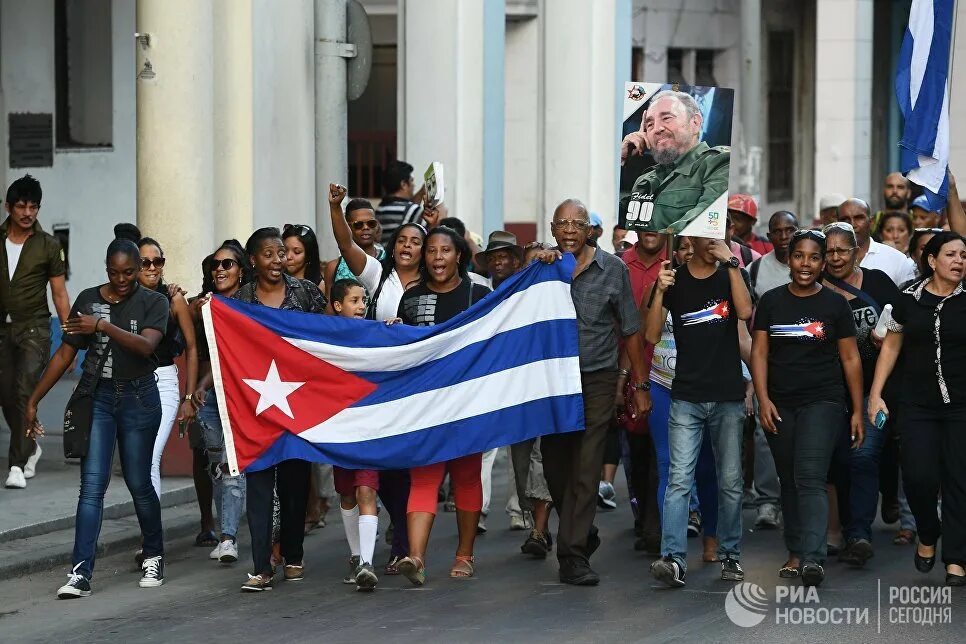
[781, 115]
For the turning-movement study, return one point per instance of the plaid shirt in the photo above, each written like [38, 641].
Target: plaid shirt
[605, 305]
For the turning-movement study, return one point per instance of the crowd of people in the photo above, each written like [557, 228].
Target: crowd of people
[805, 375]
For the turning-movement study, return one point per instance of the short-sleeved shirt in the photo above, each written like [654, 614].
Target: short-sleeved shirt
[604, 302]
[395, 212]
[933, 346]
[768, 273]
[803, 354]
[24, 297]
[386, 298]
[143, 309]
[890, 261]
[421, 306]
[300, 295]
[708, 367]
[876, 286]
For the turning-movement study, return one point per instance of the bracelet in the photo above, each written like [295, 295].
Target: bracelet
[99, 320]
[623, 373]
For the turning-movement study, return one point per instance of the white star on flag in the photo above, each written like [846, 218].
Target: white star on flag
[273, 392]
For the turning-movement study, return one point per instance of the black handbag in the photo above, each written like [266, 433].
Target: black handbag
[79, 413]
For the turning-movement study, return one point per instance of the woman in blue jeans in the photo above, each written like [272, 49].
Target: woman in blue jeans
[224, 273]
[120, 324]
[804, 338]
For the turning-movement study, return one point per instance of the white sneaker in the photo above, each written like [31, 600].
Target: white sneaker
[216, 553]
[16, 479]
[30, 469]
[229, 552]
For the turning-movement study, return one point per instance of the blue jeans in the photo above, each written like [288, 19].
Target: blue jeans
[687, 422]
[128, 413]
[863, 480]
[229, 491]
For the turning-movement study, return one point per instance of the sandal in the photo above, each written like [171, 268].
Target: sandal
[206, 539]
[462, 567]
[904, 538]
[413, 569]
[789, 571]
[392, 566]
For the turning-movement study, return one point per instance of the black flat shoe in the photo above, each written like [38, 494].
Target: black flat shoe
[812, 574]
[924, 564]
[955, 580]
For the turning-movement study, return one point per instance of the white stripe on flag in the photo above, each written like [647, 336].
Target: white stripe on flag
[921, 28]
[541, 302]
[492, 392]
[932, 169]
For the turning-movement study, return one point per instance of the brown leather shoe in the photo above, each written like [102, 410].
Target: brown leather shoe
[710, 549]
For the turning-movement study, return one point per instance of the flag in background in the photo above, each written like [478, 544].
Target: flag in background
[364, 395]
[922, 89]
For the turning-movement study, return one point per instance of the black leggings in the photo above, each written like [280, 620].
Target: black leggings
[933, 449]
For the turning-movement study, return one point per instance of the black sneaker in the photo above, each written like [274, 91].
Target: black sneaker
[152, 572]
[668, 571]
[694, 525]
[731, 570]
[578, 572]
[536, 545]
[76, 586]
[812, 574]
[350, 577]
[366, 578]
[856, 553]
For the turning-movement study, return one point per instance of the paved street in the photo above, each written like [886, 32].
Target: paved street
[514, 599]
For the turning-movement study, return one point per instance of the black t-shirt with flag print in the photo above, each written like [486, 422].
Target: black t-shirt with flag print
[706, 334]
[803, 353]
[422, 306]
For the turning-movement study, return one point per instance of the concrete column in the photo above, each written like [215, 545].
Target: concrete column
[749, 99]
[174, 132]
[586, 56]
[843, 98]
[451, 109]
[957, 99]
[234, 125]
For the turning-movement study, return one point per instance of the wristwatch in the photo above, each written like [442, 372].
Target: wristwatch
[732, 263]
[642, 386]
[188, 397]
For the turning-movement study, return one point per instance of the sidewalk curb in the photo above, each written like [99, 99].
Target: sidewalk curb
[114, 538]
[169, 498]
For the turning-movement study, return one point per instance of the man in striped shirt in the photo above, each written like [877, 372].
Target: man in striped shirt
[401, 204]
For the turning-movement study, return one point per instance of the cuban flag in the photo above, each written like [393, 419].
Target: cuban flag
[363, 395]
[716, 312]
[810, 330]
[922, 89]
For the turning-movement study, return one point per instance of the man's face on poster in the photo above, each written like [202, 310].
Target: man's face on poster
[669, 132]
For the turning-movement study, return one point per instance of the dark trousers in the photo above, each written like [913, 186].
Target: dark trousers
[933, 448]
[394, 492]
[803, 449]
[292, 480]
[24, 352]
[572, 464]
[643, 462]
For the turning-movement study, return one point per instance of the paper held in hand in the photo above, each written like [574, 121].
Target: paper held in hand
[435, 187]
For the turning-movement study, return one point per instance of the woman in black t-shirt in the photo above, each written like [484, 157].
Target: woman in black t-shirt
[867, 291]
[929, 331]
[444, 291]
[804, 339]
[273, 287]
[120, 324]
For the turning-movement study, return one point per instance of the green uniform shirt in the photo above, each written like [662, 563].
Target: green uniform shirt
[684, 190]
[24, 297]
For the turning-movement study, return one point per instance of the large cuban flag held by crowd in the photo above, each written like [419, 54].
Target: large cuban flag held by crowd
[363, 395]
[922, 89]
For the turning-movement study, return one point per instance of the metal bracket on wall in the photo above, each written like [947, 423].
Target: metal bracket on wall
[334, 48]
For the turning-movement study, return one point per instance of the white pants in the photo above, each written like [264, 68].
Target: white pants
[170, 393]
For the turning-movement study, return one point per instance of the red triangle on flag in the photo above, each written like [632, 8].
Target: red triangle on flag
[265, 378]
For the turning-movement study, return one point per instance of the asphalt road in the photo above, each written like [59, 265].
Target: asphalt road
[513, 598]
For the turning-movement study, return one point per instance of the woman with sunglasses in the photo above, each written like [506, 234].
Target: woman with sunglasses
[867, 291]
[274, 288]
[928, 332]
[444, 291]
[804, 339]
[302, 259]
[361, 217]
[224, 274]
[120, 324]
[386, 282]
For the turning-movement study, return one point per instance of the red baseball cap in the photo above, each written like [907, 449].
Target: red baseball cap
[743, 203]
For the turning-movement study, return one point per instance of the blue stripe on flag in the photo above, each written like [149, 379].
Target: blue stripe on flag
[346, 332]
[541, 341]
[473, 435]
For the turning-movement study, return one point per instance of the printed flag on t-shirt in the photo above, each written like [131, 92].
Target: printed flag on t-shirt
[363, 395]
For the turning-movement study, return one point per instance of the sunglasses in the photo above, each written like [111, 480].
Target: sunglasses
[300, 229]
[368, 223]
[934, 231]
[807, 232]
[223, 264]
[148, 263]
[842, 225]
